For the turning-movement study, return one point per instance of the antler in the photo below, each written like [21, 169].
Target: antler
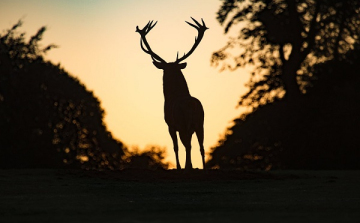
[148, 50]
[201, 30]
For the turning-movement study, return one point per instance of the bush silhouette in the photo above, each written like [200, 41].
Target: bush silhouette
[150, 158]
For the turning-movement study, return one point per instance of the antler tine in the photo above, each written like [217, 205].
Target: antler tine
[146, 28]
[192, 25]
[197, 23]
[201, 30]
[152, 25]
[149, 26]
[199, 26]
[143, 41]
[203, 23]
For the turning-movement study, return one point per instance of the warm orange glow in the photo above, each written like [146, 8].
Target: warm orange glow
[98, 44]
[82, 158]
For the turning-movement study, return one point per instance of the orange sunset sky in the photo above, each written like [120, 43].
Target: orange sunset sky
[98, 44]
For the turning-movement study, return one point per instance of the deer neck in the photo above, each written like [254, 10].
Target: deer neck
[175, 86]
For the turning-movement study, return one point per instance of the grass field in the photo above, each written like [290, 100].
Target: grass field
[171, 196]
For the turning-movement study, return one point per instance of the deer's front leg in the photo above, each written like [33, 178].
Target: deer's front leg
[176, 147]
[186, 140]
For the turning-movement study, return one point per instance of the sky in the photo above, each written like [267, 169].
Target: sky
[98, 45]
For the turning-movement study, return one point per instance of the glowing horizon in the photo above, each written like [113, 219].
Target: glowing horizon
[98, 45]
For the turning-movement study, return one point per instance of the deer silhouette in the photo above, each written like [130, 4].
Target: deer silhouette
[183, 113]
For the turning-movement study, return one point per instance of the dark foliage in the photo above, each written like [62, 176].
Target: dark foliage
[152, 158]
[282, 40]
[294, 47]
[319, 131]
[47, 117]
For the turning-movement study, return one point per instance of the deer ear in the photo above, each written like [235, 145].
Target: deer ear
[158, 65]
[182, 65]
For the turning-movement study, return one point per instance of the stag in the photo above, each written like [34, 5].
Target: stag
[183, 113]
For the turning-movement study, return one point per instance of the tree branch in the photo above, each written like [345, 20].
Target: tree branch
[310, 39]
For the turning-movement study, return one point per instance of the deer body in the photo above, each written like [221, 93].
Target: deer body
[183, 113]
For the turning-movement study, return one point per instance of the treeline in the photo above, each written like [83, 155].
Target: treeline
[303, 91]
[48, 119]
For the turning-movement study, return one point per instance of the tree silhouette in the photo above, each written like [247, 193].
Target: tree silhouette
[319, 133]
[282, 40]
[47, 117]
[308, 52]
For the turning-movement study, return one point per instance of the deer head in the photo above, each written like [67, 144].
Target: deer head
[157, 60]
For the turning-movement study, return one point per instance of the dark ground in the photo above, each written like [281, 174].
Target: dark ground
[171, 196]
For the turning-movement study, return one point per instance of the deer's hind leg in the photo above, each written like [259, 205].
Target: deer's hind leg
[200, 136]
[176, 147]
